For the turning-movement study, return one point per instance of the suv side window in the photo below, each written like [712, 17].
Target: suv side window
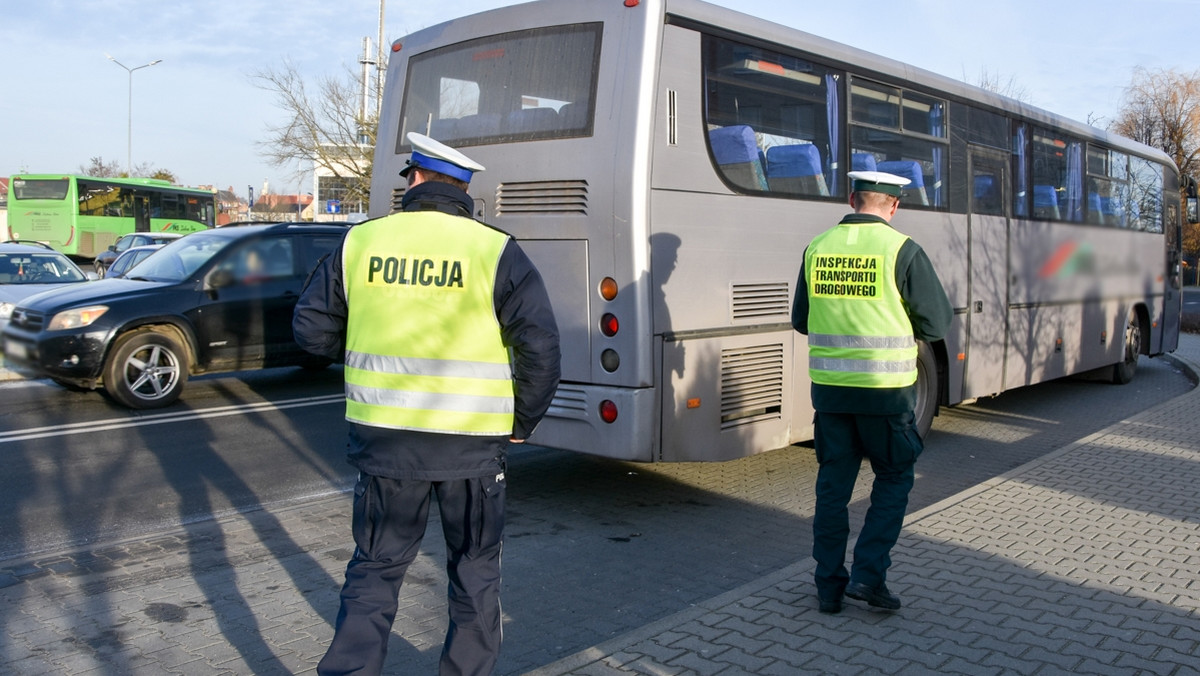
[316, 246]
[261, 260]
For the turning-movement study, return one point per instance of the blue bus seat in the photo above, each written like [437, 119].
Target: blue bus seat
[573, 115]
[910, 169]
[1045, 203]
[862, 162]
[1095, 208]
[475, 126]
[987, 195]
[531, 120]
[796, 169]
[444, 128]
[736, 152]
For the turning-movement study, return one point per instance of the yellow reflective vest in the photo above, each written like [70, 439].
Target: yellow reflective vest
[423, 346]
[859, 334]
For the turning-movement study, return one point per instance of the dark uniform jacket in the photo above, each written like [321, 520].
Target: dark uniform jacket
[527, 326]
[928, 309]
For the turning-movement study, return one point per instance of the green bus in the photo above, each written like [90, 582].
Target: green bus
[83, 215]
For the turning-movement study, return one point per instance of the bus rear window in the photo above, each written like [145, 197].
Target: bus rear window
[40, 188]
[522, 86]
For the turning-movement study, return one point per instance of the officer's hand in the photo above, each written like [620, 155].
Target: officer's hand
[513, 440]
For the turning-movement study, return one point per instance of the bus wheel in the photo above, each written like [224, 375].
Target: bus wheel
[1123, 371]
[927, 388]
[145, 369]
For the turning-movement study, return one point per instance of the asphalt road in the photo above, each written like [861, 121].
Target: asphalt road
[82, 470]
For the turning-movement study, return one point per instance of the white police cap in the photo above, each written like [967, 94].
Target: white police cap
[878, 181]
[436, 156]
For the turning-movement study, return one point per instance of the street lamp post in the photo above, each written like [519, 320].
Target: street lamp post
[129, 132]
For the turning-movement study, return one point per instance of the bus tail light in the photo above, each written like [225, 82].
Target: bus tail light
[610, 360]
[608, 288]
[608, 411]
[609, 324]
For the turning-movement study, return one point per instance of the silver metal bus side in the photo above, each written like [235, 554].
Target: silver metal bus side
[704, 364]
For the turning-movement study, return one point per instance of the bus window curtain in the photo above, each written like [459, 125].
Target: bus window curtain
[1021, 194]
[937, 128]
[1075, 182]
[832, 115]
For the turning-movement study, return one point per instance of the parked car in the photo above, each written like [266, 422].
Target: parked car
[104, 259]
[216, 300]
[131, 257]
[27, 268]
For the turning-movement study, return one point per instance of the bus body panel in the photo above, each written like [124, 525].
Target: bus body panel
[707, 365]
[84, 222]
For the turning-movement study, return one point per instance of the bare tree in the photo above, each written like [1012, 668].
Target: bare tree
[1162, 109]
[328, 129]
[996, 83]
[96, 166]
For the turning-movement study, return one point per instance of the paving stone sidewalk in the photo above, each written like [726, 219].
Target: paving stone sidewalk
[1084, 561]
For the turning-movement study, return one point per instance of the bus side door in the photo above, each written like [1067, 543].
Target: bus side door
[987, 263]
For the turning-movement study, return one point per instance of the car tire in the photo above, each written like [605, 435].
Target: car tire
[146, 369]
[100, 269]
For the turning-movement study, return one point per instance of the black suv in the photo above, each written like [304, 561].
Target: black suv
[216, 300]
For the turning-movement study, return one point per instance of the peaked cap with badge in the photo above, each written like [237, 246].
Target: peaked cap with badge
[436, 156]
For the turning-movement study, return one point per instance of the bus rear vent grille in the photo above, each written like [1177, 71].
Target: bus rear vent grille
[567, 399]
[751, 384]
[757, 301]
[542, 197]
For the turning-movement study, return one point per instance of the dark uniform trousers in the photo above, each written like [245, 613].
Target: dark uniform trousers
[389, 522]
[892, 445]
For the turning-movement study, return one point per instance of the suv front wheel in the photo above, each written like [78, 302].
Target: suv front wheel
[146, 369]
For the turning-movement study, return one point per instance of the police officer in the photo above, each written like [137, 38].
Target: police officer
[865, 295]
[451, 352]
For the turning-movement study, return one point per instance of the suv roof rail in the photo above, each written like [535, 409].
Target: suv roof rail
[287, 224]
[28, 242]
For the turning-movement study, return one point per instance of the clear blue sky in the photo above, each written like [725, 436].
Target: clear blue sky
[198, 115]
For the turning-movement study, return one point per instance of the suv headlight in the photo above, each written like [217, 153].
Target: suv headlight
[77, 318]
[6, 310]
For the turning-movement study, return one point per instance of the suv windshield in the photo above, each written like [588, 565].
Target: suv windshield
[521, 86]
[178, 260]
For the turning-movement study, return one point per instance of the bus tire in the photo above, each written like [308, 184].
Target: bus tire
[927, 388]
[1124, 370]
[146, 369]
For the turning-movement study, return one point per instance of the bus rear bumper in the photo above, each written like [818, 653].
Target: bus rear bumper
[573, 422]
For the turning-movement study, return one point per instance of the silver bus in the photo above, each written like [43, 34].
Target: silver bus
[666, 162]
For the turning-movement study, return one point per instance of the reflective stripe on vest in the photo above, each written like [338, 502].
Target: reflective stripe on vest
[860, 334]
[423, 346]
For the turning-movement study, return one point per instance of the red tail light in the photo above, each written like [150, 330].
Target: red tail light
[608, 411]
[609, 324]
